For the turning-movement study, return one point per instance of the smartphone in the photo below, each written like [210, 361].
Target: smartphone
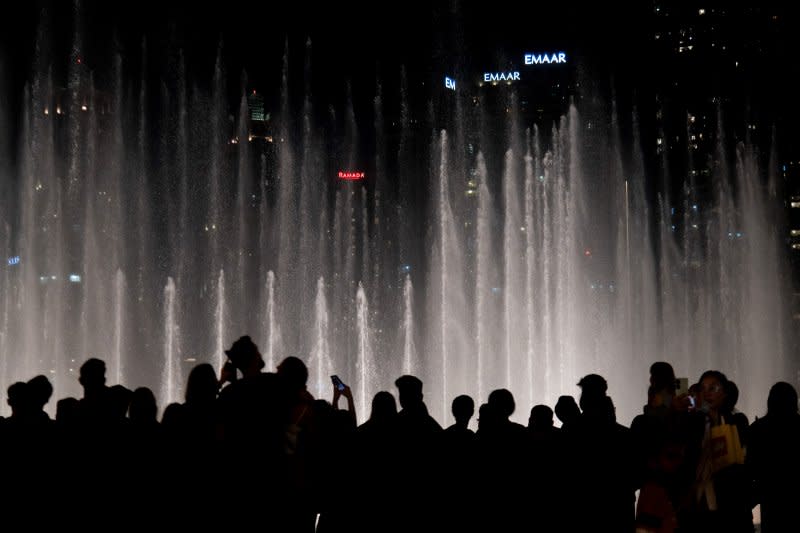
[681, 386]
[337, 383]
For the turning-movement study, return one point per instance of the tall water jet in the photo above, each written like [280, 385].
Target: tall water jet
[364, 364]
[218, 357]
[409, 355]
[320, 359]
[483, 285]
[272, 332]
[117, 351]
[171, 374]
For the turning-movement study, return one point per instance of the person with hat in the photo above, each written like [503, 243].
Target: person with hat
[243, 356]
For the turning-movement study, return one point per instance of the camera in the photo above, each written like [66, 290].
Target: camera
[337, 383]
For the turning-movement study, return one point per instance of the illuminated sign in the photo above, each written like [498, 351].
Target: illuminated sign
[13, 260]
[500, 76]
[344, 175]
[450, 83]
[545, 59]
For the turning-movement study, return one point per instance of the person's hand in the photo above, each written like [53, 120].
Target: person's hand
[681, 403]
[227, 374]
[347, 393]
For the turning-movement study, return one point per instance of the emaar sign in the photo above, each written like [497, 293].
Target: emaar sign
[500, 76]
[545, 59]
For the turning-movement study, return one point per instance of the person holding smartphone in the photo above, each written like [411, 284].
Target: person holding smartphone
[339, 390]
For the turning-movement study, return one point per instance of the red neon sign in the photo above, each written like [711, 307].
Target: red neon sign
[343, 175]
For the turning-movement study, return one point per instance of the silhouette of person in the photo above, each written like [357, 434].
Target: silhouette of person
[459, 453]
[567, 411]
[253, 417]
[722, 495]
[600, 452]
[772, 455]
[418, 451]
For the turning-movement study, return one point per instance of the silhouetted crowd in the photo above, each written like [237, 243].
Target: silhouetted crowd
[254, 450]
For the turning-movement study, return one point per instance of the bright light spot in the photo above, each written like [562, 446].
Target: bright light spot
[796, 205]
[701, 11]
[58, 111]
[46, 111]
[84, 108]
[74, 278]
[587, 252]
[13, 260]
[795, 233]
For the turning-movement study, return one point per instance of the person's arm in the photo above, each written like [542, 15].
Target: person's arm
[347, 393]
[226, 375]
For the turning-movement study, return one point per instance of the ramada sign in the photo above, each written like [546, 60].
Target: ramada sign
[347, 175]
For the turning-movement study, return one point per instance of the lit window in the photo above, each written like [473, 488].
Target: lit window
[796, 205]
[794, 233]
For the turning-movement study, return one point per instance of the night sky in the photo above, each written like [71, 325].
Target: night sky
[350, 40]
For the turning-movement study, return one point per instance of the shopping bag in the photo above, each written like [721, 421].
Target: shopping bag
[726, 447]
